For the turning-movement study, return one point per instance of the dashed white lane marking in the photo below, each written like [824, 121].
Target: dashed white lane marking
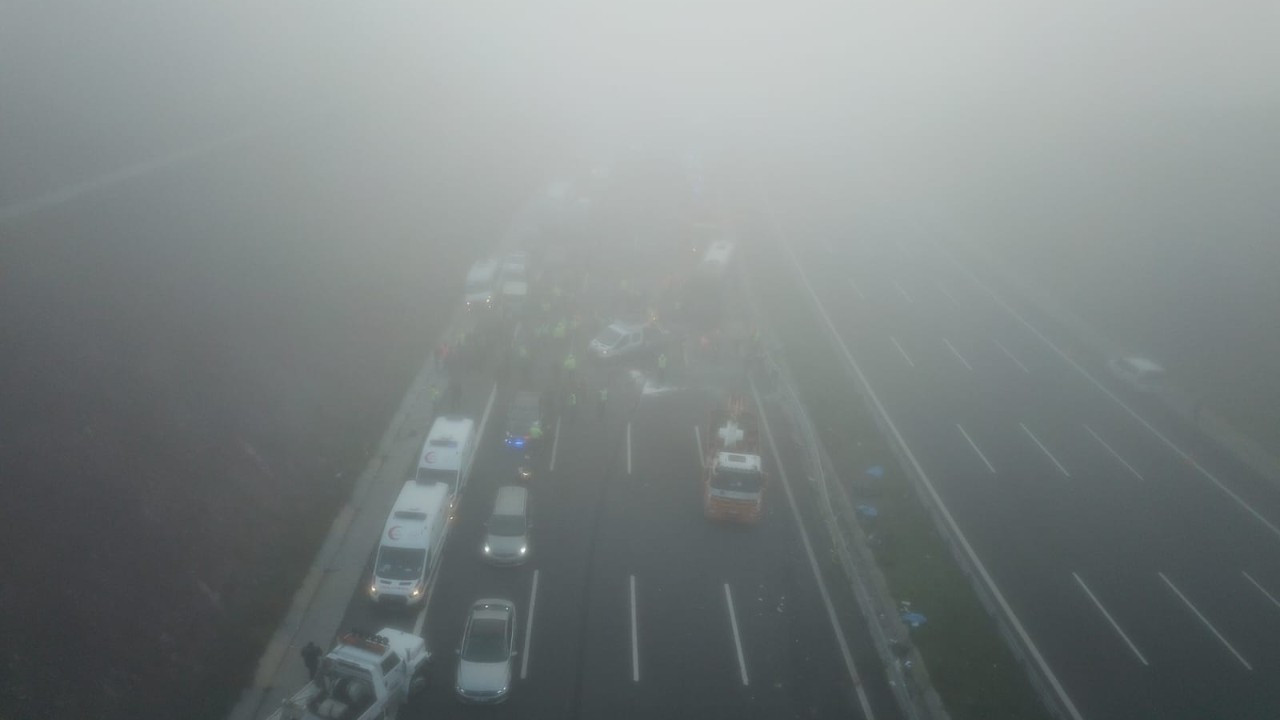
[852, 669]
[1032, 649]
[528, 628]
[901, 291]
[555, 445]
[898, 345]
[1205, 620]
[1115, 625]
[1010, 355]
[1114, 454]
[974, 445]
[856, 289]
[737, 639]
[1088, 376]
[635, 643]
[947, 294]
[1044, 449]
[1261, 589]
[956, 352]
[697, 444]
[628, 447]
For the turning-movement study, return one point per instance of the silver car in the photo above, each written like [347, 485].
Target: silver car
[485, 657]
[506, 537]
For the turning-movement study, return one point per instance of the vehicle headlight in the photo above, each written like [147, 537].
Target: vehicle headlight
[416, 592]
[524, 549]
[373, 589]
[487, 549]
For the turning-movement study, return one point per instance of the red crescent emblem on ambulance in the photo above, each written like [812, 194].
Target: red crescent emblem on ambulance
[393, 532]
[430, 457]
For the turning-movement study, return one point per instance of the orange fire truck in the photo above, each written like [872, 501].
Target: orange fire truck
[733, 480]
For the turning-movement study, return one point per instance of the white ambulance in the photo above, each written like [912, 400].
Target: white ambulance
[411, 544]
[447, 454]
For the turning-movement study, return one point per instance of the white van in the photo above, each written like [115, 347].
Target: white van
[482, 284]
[411, 544]
[506, 533]
[718, 257]
[448, 452]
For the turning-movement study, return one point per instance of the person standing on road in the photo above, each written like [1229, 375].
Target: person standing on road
[573, 406]
[662, 368]
[601, 400]
[311, 658]
[570, 364]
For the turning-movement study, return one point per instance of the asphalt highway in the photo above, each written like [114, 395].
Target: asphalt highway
[632, 604]
[1142, 561]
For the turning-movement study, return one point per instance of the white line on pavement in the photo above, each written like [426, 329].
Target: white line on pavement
[813, 562]
[737, 639]
[528, 628]
[628, 447]
[918, 469]
[635, 644]
[1009, 355]
[974, 445]
[901, 290]
[1110, 619]
[1114, 454]
[905, 356]
[947, 294]
[956, 352]
[697, 443]
[856, 289]
[555, 445]
[1204, 620]
[1067, 358]
[1044, 449]
[1256, 584]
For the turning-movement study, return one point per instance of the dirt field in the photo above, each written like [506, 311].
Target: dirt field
[193, 369]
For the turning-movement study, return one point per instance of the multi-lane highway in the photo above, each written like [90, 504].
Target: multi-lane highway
[1142, 562]
[632, 604]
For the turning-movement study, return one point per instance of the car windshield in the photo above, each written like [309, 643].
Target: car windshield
[506, 525]
[736, 480]
[400, 563]
[486, 642]
[608, 337]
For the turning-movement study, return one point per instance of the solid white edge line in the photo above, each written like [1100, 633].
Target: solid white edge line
[1079, 368]
[1258, 585]
[1010, 355]
[974, 445]
[813, 561]
[628, 447]
[737, 639]
[1110, 619]
[901, 290]
[528, 628]
[1204, 620]
[1043, 449]
[956, 352]
[928, 484]
[898, 345]
[555, 445]
[635, 644]
[697, 442]
[1114, 454]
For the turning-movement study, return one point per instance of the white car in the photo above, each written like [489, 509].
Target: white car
[1139, 373]
[488, 647]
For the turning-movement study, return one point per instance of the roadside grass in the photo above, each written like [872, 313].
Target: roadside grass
[970, 667]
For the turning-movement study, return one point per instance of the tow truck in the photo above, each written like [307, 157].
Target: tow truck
[733, 480]
[362, 678]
